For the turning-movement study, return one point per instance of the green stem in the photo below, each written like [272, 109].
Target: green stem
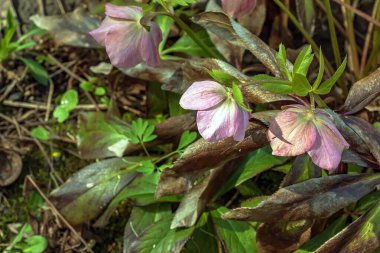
[271, 81]
[145, 150]
[193, 36]
[312, 101]
[352, 41]
[334, 40]
[319, 101]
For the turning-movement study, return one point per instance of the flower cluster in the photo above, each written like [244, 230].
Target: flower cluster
[128, 42]
[219, 116]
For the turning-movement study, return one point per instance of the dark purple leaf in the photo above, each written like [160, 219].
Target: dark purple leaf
[315, 198]
[363, 92]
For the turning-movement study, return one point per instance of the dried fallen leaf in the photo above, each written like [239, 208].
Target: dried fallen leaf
[10, 168]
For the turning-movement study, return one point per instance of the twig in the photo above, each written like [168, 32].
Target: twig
[78, 78]
[55, 210]
[61, 6]
[12, 85]
[359, 13]
[43, 107]
[50, 97]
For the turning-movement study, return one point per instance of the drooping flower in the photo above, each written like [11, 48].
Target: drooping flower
[127, 41]
[238, 8]
[219, 116]
[299, 129]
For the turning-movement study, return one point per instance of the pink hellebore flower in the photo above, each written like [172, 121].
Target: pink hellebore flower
[298, 129]
[238, 8]
[127, 41]
[218, 116]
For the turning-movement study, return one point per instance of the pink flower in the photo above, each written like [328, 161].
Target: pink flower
[127, 41]
[238, 8]
[299, 129]
[219, 116]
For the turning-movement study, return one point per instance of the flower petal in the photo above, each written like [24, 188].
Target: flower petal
[100, 34]
[220, 122]
[149, 45]
[242, 124]
[124, 12]
[237, 8]
[290, 135]
[328, 147]
[203, 95]
[123, 44]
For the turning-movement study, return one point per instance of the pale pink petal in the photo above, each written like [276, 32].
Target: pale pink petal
[220, 122]
[203, 95]
[237, 8]
[242, 124]
[100, 34]
[328, 148]
[149, 45]
[124, 12]
[290, 134]
[123, 44]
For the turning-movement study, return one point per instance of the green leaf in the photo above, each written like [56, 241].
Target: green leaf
[100, 91]
[238, 96]
[301, 85]
[321, 70]
[265, 77]
[281, 62]
[322, 237]
[377, 125]
[38, 72]
[142, 131]
[327, 85]
[236, 236]
[367, 202]
[40, 133]
[141, 219]
[69, 99]
[187, 138]
[61, 113]
[165, 23]
[32, 32]
[222, 77]
[303, 61]
[35, 244]
[146, 167]
[277, 88]
[255, 163]
[87, 86]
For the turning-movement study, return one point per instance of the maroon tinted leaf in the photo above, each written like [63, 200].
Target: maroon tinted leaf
[98, 132]
[165, 73]
[369, 135]
[361, 236]
[71, 28]
[284, 237]
[230, 30]
[302, 169]
[363, 92]
[315, 198]
[85, 195]
[194, 201]
[202, 155]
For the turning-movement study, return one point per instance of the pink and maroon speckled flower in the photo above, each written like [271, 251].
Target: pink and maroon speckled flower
[299, 129]
[238, 8]
[127, 41]
[219, 116]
